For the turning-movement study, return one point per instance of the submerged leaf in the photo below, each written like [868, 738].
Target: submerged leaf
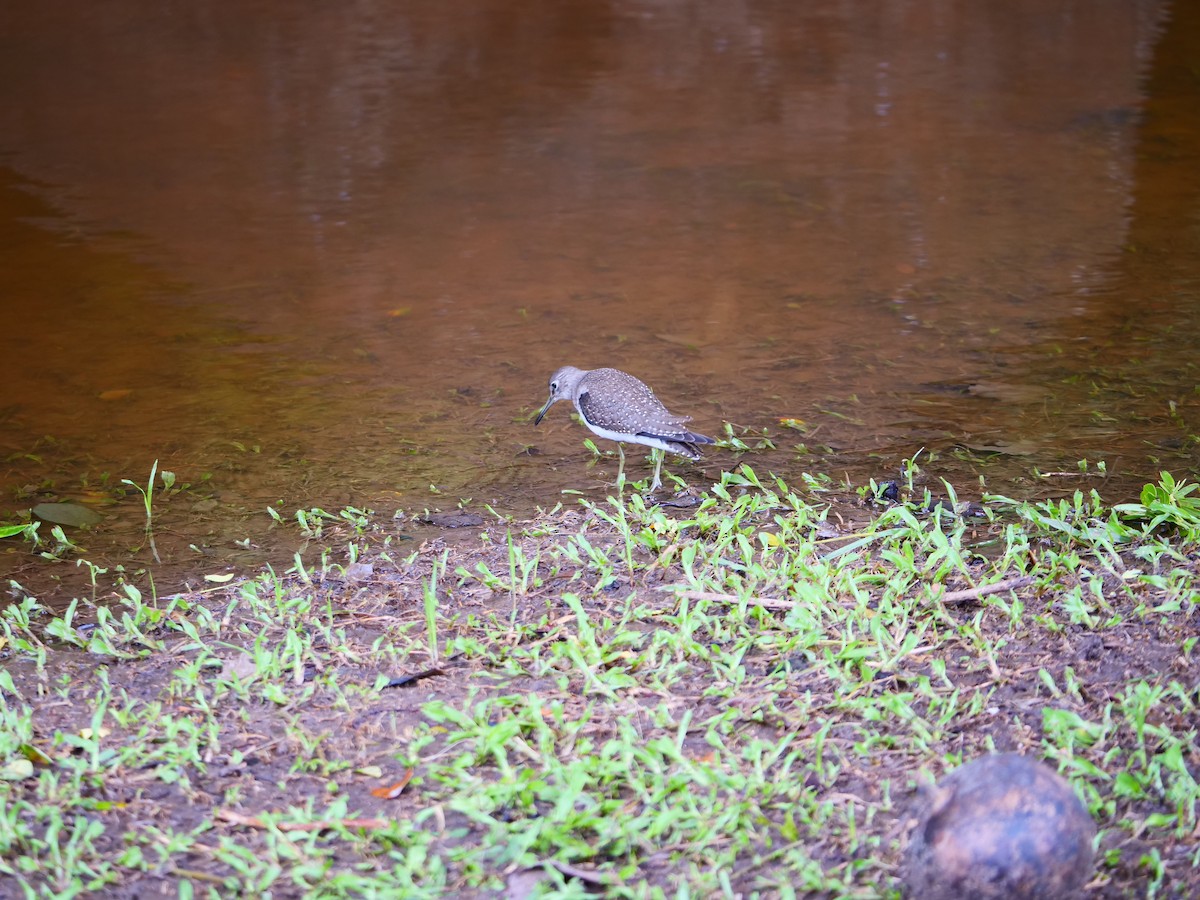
[66, 514]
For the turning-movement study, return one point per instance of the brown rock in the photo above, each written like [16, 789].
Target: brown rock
[1000, 828]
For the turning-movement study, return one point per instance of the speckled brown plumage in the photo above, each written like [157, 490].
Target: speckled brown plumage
[620, 407]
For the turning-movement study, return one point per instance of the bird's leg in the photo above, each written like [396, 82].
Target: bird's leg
[658, 458]
[621, 466]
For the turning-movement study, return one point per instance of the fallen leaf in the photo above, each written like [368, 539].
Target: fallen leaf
[359, 571]
[34, 755]
[524, 883]
[589, 876]
[404, 680]
[391, 792]
[1016, 448]
[16, 770]
[679, 340]
[236, 818]
[370, 771]
[457, 519]
[240, 665]
[219, 579]
[1007, 392]
[66, 514]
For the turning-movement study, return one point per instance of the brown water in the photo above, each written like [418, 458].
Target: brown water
[329, 254]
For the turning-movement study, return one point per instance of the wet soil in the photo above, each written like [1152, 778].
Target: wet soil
[255, 758]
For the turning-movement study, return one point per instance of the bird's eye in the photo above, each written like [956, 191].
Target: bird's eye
[553, 386]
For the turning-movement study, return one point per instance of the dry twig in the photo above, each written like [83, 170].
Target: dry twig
[975, 593]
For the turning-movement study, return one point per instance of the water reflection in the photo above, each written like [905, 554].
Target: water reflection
[332, 253]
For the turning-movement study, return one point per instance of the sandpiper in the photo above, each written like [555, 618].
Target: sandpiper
[617, 406]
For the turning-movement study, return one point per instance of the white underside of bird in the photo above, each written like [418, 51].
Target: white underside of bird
[619, 407]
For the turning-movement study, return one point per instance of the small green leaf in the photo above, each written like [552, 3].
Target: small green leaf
[1125, 785]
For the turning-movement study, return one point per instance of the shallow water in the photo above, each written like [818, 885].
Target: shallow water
[329, 255]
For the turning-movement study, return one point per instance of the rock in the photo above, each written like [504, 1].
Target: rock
[1000, 828]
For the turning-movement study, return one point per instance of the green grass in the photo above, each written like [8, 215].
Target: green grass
[740, 699]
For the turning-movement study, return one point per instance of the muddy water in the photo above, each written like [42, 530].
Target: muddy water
[319, 255]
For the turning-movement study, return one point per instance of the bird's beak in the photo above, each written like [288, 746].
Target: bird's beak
[542, 414]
